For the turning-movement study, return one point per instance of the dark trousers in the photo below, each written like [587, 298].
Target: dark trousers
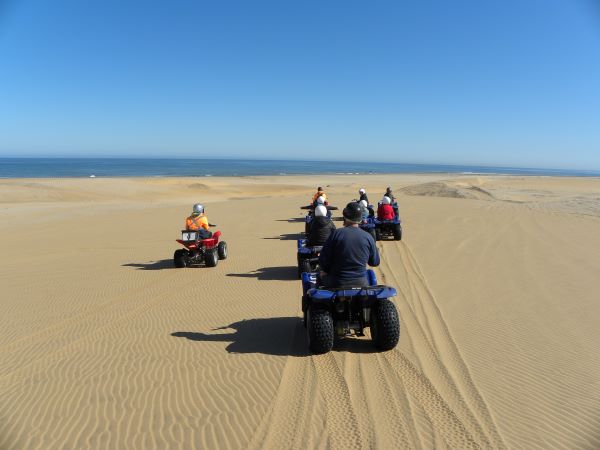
[331, 281]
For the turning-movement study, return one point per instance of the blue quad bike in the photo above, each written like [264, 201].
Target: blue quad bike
[388, 228]
[385, 228]
[341, 312]
[311, 214]
[308, 257]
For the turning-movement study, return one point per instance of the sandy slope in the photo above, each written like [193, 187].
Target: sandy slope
[104, 345]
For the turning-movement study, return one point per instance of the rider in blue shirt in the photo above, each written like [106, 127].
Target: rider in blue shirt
[347, 252]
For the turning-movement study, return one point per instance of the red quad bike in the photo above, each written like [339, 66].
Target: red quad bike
[197, 250]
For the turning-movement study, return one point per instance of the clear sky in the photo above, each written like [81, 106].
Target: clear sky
[511, 82]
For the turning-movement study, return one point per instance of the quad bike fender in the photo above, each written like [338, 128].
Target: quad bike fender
[379, 292]
[187, 244]
[213, 241]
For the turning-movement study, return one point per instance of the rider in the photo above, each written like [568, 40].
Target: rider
[364, 209]
[388, 193]
[320, 227]
[320, 193]
[347, 252]
[198, 222]
[363, 195]
[385, 211]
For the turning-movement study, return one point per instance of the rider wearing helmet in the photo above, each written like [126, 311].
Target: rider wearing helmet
[320, 227]
[364, 209]
[388, 193]
[319, 193]
[363, 195]
[385, 210]
[347, 252]
[198, 221]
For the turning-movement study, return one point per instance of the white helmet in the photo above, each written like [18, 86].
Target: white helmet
[198, 208]
[387, 200]
[362, 191]
[320, 211]
[364, 203]
[320, 200]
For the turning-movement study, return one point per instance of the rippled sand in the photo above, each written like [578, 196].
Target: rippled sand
[103, 344]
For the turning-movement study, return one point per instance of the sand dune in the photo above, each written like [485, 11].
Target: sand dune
[104, 345]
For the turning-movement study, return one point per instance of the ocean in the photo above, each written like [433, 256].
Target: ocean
[147, 167]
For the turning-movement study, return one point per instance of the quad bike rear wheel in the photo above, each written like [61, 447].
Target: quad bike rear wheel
[211, 258]
[377, 234]
[385, 325]
[180, 258]
[222, 250]
[397, 232]
[320, 330]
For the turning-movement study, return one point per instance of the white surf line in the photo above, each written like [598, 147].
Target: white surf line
[442, 356]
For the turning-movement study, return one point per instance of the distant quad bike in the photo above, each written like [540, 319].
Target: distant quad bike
[311, 214]
[388, 228]
[308, 257]
[341, 312]
[198, 251]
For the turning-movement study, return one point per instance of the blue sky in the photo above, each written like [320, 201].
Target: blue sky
[467, 82]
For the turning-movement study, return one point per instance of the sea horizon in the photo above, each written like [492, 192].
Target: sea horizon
[119, 167]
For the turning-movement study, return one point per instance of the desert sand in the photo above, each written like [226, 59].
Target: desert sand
[103, 344]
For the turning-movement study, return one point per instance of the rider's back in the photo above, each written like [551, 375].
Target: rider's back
[320, 229]
[346, 253]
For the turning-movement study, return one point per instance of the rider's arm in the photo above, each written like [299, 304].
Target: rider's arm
[373, 254]
[204, 222]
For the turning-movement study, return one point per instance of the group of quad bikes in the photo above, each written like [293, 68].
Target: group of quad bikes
[327, 312]
[330, 313]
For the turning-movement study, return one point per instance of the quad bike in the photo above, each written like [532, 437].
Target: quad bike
[388, 228]
[308, 257]
[347, 311]
[199, 250]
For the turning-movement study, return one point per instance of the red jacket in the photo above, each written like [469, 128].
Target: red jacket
[385, 212]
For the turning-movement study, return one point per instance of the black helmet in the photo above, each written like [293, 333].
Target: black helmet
[352, 212]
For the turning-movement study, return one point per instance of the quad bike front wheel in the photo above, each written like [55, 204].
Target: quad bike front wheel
[180, 258]
[222, 250]
[385, 325]
[211, 258]
[304, 266]
[319, 324]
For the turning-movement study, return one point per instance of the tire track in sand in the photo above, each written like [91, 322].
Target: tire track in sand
[443, 382]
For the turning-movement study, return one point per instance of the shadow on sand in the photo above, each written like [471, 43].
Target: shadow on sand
[153, 265]
[281, 273]
[282, 336]
[292, 220]
[286, 237]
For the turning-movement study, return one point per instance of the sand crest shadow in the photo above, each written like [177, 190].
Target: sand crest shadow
[281, 273]
[281, 336]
